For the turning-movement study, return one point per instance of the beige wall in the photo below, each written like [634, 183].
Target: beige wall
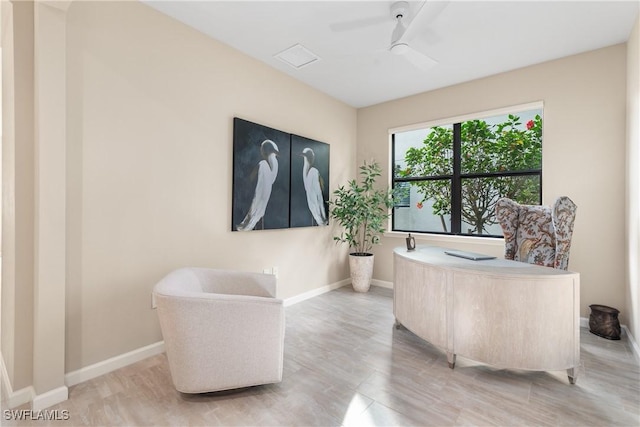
[633, 181]
[150, 118]
[33, 282]
[18, 192]
[583, 154]
[50, 199]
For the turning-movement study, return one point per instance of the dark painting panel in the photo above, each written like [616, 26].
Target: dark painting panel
[261, 168]
[309, 182]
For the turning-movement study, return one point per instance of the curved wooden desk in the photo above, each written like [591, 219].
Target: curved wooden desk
[503, 313]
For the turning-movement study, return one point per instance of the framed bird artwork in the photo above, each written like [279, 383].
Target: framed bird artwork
[309, 182]
[261, 174]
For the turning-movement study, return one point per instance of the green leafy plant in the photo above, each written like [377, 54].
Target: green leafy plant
[362, 210]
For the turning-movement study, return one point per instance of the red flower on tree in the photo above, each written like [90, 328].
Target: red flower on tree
[530, 125]
[419, 205]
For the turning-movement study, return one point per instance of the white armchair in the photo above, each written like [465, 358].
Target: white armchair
[222, 329]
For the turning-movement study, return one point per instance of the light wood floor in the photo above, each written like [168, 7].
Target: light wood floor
[346, 364]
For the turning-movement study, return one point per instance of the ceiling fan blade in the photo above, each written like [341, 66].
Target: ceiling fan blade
[419, 59]
[424, 16]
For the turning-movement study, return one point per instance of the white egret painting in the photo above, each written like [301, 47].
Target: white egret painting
[261, 174]
[309, 182]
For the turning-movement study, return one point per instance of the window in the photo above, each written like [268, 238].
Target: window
[450, 176]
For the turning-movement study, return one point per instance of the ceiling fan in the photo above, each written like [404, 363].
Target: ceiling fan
[403, 33]
[408, 24]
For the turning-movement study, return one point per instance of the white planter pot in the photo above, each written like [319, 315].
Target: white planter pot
[361, 271]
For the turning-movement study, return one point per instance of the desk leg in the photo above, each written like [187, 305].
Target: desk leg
[451, 359]
[572, 373]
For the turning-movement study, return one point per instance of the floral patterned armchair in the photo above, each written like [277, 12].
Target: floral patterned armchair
[537, 234]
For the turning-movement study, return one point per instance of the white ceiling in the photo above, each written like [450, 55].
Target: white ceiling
[469, 40]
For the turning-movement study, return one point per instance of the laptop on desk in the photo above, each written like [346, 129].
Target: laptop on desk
[468, 255]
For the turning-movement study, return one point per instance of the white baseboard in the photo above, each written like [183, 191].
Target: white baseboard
[20, 397]
[109, 365]
[635, 349]
[315, 292]
[50, 398]
[634, 344]
[328, 288]
[13, 398]
[584, 322]
[382, 283]
[28, 394]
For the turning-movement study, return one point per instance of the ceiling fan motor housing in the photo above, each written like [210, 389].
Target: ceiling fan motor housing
[398, 12]
[399, 9]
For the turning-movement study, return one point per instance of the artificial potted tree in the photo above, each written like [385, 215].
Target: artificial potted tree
[362, 210]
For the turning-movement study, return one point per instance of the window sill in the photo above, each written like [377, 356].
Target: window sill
[446, 239]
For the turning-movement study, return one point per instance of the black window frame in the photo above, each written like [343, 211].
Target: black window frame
[456, 178]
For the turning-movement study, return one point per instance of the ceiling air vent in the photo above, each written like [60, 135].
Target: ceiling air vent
[297, 56]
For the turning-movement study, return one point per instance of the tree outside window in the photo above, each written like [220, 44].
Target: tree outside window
[458, 172]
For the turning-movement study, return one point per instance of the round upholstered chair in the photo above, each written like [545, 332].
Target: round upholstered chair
[222, 329]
